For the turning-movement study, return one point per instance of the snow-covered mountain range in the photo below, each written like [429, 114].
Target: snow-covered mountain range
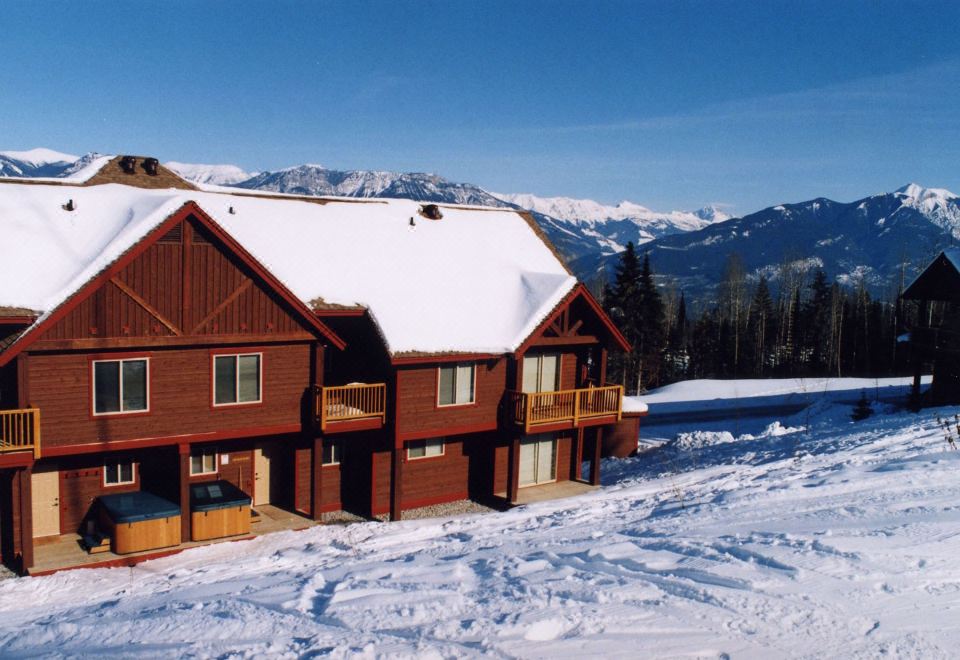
[217, 175]
[867, 239]
[871, 239]
[615, 226]
[35, 163]
[579, 228]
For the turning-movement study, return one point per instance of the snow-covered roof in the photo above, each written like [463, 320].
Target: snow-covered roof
[477, 281]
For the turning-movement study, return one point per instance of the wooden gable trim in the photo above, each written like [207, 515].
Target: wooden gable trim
[579, 291]
[107, 274]
[442, 358]
[234, 246]
[150, 309]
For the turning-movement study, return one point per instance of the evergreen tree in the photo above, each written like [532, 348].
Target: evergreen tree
[760, 326]
[620, 303]
[650, 322]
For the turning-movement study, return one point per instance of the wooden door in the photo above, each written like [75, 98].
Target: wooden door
[261, 475]
[45, 491]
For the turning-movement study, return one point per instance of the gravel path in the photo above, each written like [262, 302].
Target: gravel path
[457, 508]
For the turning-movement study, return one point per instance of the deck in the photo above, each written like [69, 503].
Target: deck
[547, 411]
[20, 431]
[554, 491]
[57, 553]
[357, 406]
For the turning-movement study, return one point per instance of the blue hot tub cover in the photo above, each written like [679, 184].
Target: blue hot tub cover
[137, 506]
[213, 495]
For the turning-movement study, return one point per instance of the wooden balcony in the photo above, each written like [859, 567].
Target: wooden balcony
[20, 431]
[572, 408]
[351, 407]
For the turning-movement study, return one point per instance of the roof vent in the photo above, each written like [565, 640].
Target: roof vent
[128, 164]
[151, 165]
[69, 206]
[431, 212]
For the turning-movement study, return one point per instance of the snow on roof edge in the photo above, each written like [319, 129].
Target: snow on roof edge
[127, 237]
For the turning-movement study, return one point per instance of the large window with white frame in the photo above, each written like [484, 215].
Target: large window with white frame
[237, 379]
[425, 448]
[456, 384]
[202, 462]
[119, 473]
[121, 386]
[541, 372]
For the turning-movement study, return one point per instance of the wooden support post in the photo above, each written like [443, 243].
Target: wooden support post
[603, 367]
[595, 461]
[513, 471]
[578, 456]
[184, 456]
[396, 483]
[316, 499]
[24, 477]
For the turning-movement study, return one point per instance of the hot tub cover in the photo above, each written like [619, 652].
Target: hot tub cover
[137, 506]
[213, 495]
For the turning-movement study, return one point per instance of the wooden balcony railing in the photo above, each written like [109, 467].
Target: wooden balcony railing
[351, 402]
[530, 410]
[20, 431]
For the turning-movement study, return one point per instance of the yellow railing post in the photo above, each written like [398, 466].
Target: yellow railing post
[527, 413]
[36, 433]
[576, 407]
[323, 409]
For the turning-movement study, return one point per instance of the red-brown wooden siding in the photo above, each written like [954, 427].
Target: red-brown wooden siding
[180, 396]
[419, 414]
[329, 486]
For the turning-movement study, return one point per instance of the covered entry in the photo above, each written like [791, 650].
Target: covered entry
[538, 459]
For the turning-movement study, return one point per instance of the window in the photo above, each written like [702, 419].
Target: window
[120, 386]
[541, 373]
[236, 379]
[118, 473]
[456, 384]
[425, 448]
[331, 453]
[203, 462]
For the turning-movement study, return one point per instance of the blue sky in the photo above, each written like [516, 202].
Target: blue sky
[668, 104]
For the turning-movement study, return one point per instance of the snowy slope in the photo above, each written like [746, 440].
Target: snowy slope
[838, 540]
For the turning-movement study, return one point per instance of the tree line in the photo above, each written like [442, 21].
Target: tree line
[808, 325]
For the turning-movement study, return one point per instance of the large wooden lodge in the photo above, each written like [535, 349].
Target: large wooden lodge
[171, 356]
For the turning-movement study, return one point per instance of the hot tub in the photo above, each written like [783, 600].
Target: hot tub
[218, 509]
[139, 521]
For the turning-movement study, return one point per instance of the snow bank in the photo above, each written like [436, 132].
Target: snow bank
[836, 542]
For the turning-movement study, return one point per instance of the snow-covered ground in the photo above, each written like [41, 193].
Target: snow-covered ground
[812, 537]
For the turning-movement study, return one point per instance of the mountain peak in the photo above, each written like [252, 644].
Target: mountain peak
[918, 192]
[40, 156]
